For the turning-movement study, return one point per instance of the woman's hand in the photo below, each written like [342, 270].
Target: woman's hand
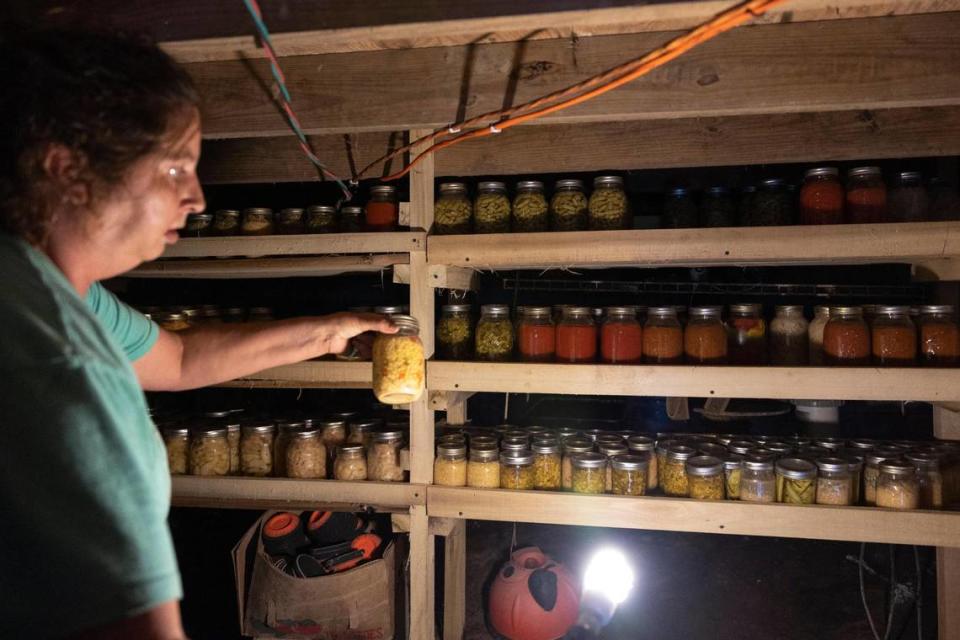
[355, 329]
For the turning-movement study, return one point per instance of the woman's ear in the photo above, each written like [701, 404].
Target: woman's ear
[64, 168]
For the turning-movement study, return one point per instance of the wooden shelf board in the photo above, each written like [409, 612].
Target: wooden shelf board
[808, 383]
[861, 524]
[297, 245]
[317, 374]
[840, 244]
[285, 493]
[283, 267]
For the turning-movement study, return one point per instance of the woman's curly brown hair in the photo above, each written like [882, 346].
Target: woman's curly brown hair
[107, 97]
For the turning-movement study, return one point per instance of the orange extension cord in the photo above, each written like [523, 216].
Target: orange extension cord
[582, 91]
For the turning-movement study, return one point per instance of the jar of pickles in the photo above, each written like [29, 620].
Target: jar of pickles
[530, 209]
[320, 219]
[621, 336]
[773, 204]
[256, 449]
[399, 366]
[576, 336]
[450, 465]
[197, 225]
[898, 486]
[821, 197]
[352, 220]
[894, 337]
[257, 221]
[846, 338]
[351, 462]
[209, 452]
[866, 196]
[568, 206]
[289, 221]
[939, 336]
[177, 442]
[705, 339]
[705, 478]
[608, 207]
[572, 447]
[662, 337]
[673, 479]
[491, 209]
[546, 464]
[453, 213]
[455, 332]
[717, 208]
[306, 455]
[629, 475]
[226, 222]
[536, 335]
[747, 335]
[645, 447]
[796, 481]
[382, 211]
[679, 210]
[483, 468]
[834, 482]
[589, 473]
[516, 470]
[732, 475]
[383, 458]
[821, 315]
[789, 337]
[494, 339]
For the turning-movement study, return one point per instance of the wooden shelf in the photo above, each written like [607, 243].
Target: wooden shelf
[297, 245]
[284, 493]
[840, 244]
[935, 528]
[315, 374]
[789, 383]
[282, 267]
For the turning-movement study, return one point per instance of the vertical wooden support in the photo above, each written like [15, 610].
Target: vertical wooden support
[946, 425]
[455, 581]
[457, 409]
[421, 416]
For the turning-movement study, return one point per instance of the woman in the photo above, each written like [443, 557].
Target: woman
[98, 156]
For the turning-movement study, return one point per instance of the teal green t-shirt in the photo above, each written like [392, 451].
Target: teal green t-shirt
[84, 486]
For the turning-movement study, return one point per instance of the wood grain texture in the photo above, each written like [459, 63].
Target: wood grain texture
[454, 581]
[948, 593]
[422, 588]
[293, 245]
[283, 267]
[284, 493]
[313, 374]
[840, 65]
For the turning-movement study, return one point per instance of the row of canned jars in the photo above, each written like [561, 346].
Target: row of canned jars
[840, 335]
[335, 448]
[829, 471]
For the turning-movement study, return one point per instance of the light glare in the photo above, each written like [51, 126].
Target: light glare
[609, 575]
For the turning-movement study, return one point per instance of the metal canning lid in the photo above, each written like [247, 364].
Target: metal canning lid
[317, 208]
[726, 438]
[534, 429]
[351, 448]
[712, 449]
[495, 310]
[388, 310]
[545, 446]
[681, 453]
[384, 189]
[530, 184]
[758, 464]
[608, 181]
[365, 423]
[640, 443]
[789, 308]
[291, 424]
[227, 213]
[514, 446]
[924, 460]
[388, 435]
[190, 312]
[662, 312]
[568, 184]
[897, 467]
[663, 445]
[351, 211]
[609, 438]
[704, 466]
[860, 172]
[746, 307]
[491, 186]
[296, 212]
[863, 443]
[452, 187]
[718, 191]
[452, 438]
[577, 311]
[760, 452]
[405, 322]
[258, 211]
[597, 312]
[535, 312]
[331, 423]
[209, 432]
[832, 465]
[821, 310]
[936, 308]
[589, 460]
[577, 445]
[234, 311]
[484, 454]
[621, 311]
[796, 468]
[706, 312]
[893, 310]
[567, 432]
[260, 311]
[175, 431]
[732, 461]
[850, 312]
[822, 172]
[830, 443]
[910, 175]
[515, 434]
[740, 446]
[521, 457]
[205, 217]
[629, 463]
[450, 449]
[610, 449]
[679, 192]
[483, 441]
[305, 434]
[773, 183]
[455, 308]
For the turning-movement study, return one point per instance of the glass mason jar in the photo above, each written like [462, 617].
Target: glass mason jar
[226, 222]
[855, 461]
[745, 207]
[494, 340]
[450, 465]
[306, 457]
[383, 458]
[673, 479]
[352, 219]
[796, 481]
[351, 462]
[930, 479]
[898, 486]
[732, 475]
[629, 475]
[846, 338]
[177, 442]
[483, 468]
[660, 453]
[773, 205]
[645, 447]
[257, 221]
[289, 221]
[572, 447]
[361, 431]
[747, 335]
[611, 449]
[789, 337]
[939, 336]
[284, 435]
[198, 225]
[821, 315]
[568, 206]
[621, 336]
[758, 483]
[256, 449]
[382, 212]
[705, 479]
[530, 209]
[894, 337]
[209, 452]
[546, 464]
[399, 366]
[834, 482]
[333, 432]
[908, 201]
[608, 207]
[679, 210]
[589, 473]
[717, 208]
[821, 197]
[866, 196]
[705, 338]
[491, 209]
[576, 336]
[536, 335]
[662, 337]
[319, 219]
[455, 332]
[452, 212]
[516, 470]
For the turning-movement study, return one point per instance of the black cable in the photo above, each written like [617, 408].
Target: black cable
[891, 605]
[916, 561]
[863, 593]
